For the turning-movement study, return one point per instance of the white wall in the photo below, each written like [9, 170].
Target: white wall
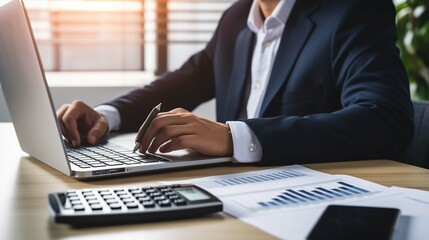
[95, 88]
[61, 95]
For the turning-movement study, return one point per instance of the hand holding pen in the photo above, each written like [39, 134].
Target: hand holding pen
[145, 125]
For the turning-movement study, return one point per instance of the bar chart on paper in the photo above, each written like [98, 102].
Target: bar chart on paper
[312, 194]
[252, 178]
[280, 175]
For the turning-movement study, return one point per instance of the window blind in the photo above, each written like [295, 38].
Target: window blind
[148, 35]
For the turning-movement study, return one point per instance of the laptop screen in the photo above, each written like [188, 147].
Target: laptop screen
[25, 89]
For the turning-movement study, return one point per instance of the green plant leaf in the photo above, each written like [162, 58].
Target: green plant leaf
[412, 22]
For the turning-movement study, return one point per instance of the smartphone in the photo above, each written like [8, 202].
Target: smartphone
[353, 222]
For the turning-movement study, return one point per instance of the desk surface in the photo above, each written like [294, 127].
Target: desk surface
[25, 183]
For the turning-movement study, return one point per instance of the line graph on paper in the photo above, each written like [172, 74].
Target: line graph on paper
[292, 197]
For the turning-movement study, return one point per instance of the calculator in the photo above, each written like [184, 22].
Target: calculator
[87, 207]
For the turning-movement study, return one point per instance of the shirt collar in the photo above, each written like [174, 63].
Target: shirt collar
[279, 16]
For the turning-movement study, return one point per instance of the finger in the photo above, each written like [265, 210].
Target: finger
[179, 110]
[182, 142]
[69, 119]
[167, 133]
[159, 123]
[174, 111]
[60, 113]
[148, 137]
[97, 131]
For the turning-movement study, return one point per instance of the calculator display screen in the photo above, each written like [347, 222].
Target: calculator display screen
[192, 194]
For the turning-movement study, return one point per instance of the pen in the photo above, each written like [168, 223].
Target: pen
[145, 125]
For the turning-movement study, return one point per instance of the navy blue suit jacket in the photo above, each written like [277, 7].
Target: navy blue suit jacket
[338, 90]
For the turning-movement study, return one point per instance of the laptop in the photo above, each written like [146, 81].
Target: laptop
[33, 114]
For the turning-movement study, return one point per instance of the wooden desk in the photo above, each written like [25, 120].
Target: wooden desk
[25, 183]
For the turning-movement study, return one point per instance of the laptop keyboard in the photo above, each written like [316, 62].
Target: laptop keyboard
[103, 155]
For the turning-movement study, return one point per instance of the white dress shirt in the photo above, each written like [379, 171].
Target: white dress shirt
[268, 35]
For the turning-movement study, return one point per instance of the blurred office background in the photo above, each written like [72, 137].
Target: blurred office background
[94, 50]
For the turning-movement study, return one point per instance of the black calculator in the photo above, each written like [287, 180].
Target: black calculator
[87, 207]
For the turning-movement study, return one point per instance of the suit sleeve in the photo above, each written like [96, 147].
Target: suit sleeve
[187, 87]
[376, 119]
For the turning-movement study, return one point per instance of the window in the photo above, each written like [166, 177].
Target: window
[121, 35]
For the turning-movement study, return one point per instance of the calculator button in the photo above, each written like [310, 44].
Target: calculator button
[93, 201]
[96, 207]
[109, 201]
[140, 195]
[76, 202]
[148, 204]
[160, 188]
[179, 202]
[150, 190]
[167, 193]
[102, 192]
[175, 196]
[155, 194]
[136, 191]
[74, 198]
[115, 206]
[159, 198]
[78, 207]
[127, 200]
[71, 194]
[144, 199]
[164, 203]
[132, 205]
[107, 197]
[90, 198]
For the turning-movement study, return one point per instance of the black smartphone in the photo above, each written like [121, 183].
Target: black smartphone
[353, 222]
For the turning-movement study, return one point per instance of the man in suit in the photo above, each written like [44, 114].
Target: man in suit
[294, 82]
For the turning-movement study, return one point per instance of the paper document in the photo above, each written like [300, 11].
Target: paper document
[287, 201]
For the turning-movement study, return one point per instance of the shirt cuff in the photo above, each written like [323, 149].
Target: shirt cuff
[247, 148]
[112, 116]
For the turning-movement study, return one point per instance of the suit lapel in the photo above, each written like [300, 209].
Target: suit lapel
[242, 61]
[297, 30]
